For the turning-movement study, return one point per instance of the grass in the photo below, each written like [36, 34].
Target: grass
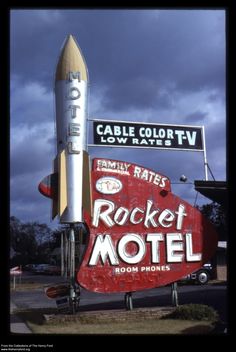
[135, 327]
[24, 286]
[36, 322]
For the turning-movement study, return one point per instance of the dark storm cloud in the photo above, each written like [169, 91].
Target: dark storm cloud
[30, 153]
[38, 36]
[124, 48]
[196, 117]
[32, 52]
[25, 186]
[26, 207]
[215, 136]
[26, 202]
[176, 54]
[133, 93]
[217, 96]
[32, 103]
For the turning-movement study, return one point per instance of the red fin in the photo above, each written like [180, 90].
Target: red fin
[48, 186]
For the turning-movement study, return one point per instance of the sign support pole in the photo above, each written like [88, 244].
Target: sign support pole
[62, 254]
[204, 154]
[128, 301]
[174, 294]
[66, 255]
[72, 267]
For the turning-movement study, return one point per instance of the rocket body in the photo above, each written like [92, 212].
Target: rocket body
[71, 82]
[71, 137]
[69, 185]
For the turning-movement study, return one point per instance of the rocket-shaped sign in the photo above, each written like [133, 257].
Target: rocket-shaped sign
[69, 185]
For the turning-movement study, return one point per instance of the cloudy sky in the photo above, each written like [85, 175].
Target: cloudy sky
[161, 66]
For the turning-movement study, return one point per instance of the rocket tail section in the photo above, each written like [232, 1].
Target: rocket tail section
[54, 186]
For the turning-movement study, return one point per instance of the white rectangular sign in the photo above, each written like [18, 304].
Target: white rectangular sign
[147, 135]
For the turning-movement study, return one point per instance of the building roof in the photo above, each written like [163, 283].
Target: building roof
[214, 190]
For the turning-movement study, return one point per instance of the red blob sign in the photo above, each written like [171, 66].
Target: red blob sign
[141, 235]
[56, 291]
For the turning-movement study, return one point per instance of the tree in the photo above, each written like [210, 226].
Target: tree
[22, 242]
[41, 232]
[217, 215]
[30, 241]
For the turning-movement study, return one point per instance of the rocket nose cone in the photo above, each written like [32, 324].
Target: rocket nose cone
[70, 39]
[71, 60]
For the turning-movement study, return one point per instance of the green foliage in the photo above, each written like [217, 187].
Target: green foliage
[30, 242]
[33, 243]
[217, 215]
[194, 312]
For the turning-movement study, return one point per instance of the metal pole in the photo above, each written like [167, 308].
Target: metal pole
[80, 243]
[204, 153]
[62, 253]
[72, 254]
[174, 294]
[128, 301]
[66, 254]
[72, 268]
[69, 254]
